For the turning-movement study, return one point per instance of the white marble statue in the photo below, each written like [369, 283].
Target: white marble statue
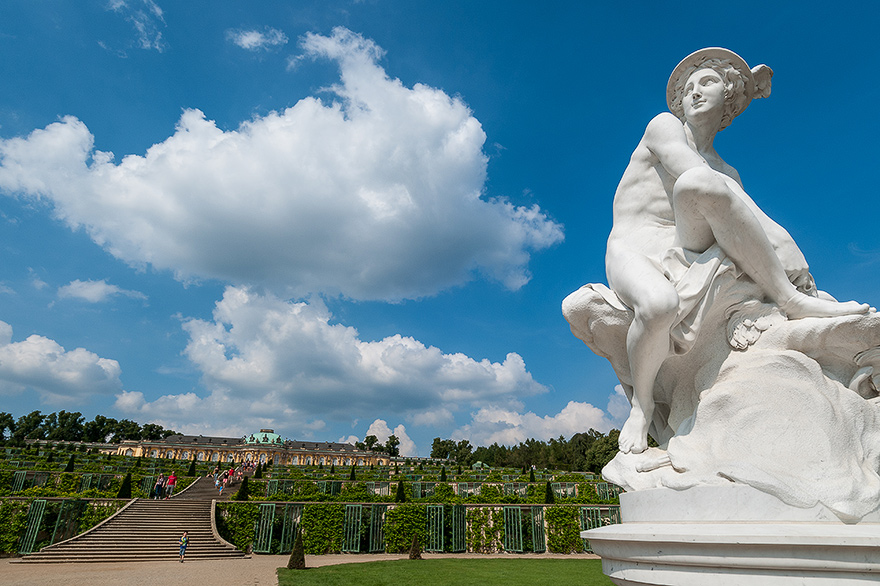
[714, 325]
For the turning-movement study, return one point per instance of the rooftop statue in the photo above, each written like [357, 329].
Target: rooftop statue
[732, 359]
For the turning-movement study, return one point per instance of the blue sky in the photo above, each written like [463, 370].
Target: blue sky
[339, 218]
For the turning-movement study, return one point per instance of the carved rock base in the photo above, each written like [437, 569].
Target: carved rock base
[734, 536]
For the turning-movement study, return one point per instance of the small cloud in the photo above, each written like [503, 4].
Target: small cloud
[147, 19]
[38, 283]
[352, 439]
[254, 40]
[95, 291]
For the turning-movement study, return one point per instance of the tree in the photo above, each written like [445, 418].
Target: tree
[126, 429]
[400, 497]
[351, 476]
[152, 432]
[443, 474]
[549, 497]
[258, 473]
[243, 491]
[297, 560]
[391, 445]
[463, 451]
[602, 451]
[370, 442]
[442, 449]
[70, 462]
[28, 427]
[99, 429]
[125, 489]
[7, 424]
[65, 426]
[192, 468]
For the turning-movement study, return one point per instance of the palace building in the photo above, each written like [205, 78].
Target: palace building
[264, 446]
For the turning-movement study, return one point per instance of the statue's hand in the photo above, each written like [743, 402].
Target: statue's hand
[804, 282]
[796, 268]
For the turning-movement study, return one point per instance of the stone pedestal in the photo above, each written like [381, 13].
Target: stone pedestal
[734, 535]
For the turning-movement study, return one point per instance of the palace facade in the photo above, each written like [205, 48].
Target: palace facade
[264, 446]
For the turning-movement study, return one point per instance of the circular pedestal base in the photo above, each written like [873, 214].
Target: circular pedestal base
[772, 545]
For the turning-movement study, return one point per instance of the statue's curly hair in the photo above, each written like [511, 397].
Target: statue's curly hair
[734, 88]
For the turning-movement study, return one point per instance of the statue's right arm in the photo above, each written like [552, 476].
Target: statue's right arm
[666, 140]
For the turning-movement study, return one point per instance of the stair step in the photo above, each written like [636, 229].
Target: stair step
[148, 530]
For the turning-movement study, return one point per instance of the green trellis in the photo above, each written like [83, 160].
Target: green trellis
[34, 519]
[263, 530]
[377, 528]
[352, 529]
[435, 528]
[289, 526]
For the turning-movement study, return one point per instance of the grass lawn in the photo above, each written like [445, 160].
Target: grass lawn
[488, 572]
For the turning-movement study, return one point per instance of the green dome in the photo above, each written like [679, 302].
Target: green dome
[264, 436]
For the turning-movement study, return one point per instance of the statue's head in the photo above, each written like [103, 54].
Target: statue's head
[741, 84]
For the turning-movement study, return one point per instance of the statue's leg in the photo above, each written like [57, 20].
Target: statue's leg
[706, 211]
[655, 303]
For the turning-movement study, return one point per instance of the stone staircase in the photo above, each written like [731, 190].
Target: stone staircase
[148, 530]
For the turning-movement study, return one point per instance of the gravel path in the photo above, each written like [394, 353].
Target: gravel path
[259, 570]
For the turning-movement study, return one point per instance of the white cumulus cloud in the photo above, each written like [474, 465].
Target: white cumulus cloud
[95, 291]
[380, 429]
[286, 364]
[58, 376]
[376, 194]
[254, 40]
[508, 427]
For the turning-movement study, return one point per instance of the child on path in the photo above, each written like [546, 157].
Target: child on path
[184, 541]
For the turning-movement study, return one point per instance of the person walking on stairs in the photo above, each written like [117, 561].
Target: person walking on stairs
[184, 541]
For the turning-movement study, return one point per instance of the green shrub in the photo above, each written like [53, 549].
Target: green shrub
[322, 527]
[97, 513]
[563, 530]
[484, 530]
[13, 519]
[402, 523]
[235, 523]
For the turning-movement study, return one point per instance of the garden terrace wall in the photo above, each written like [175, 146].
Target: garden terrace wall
[335, 527]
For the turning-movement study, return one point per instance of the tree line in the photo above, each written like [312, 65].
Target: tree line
[72, 427]
[586, 452]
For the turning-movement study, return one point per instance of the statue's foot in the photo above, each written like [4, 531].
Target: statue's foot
[800, 306]
[634, 435]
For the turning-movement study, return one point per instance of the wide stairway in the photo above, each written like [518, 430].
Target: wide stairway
[147, 530]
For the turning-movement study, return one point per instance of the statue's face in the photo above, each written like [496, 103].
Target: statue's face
[703, 94]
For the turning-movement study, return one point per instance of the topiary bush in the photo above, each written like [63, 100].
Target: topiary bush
[125, 487]
[242, 494]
